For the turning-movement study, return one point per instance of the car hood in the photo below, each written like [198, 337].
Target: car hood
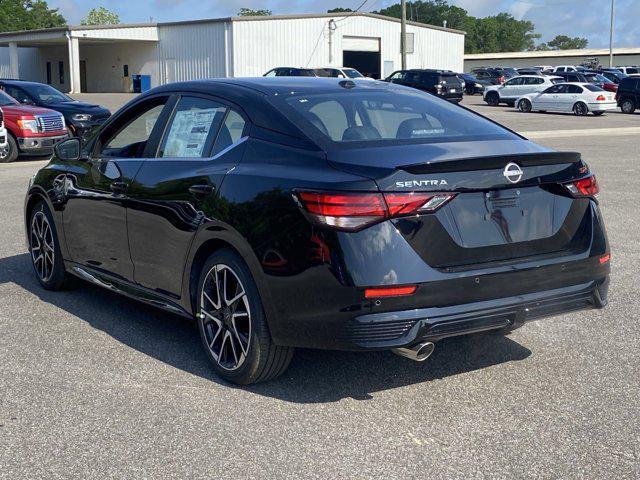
[75, 106]
[18, 110]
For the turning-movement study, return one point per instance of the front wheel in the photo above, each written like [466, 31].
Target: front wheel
[524, 105]
[232, 323]
[492, 99]
[580, 109]
[44, 247]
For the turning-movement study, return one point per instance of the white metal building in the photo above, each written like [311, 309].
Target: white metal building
[103, 58]
[621, 57]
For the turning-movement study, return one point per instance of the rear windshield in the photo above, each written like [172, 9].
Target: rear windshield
[593, 88]
[386, 117]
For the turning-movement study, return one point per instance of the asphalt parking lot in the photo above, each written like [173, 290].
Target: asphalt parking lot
[93, 385]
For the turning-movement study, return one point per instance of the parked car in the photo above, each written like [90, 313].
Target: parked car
[515, 87]
[276, 218]
[3, 132]
[629, 70]
[471, 84]
[339, 72]
[615, 76]
[290, 72]
[628, 94]
[569, 97]
[529, 71]
[493, 76]
[565, 68]
[81, 118]
[543, 68]
[30, 130]
[601, 81]
[443, 83]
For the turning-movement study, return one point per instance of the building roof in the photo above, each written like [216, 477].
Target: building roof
[71, 28]
[590, 52]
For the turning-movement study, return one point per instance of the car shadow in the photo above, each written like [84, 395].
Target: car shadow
[314, 376]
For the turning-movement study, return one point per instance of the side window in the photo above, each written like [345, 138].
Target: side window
[128, 136]
[397, 76]
[561, 88]
[271, 73]
[17, 93]
[574, 89]
[554, 89]
[515, 82]
[230, 132]
[193, 128]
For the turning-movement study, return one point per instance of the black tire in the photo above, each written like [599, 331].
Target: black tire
[245, 354]
[597, 114]
[9, 153]
[580, 109]
[628, 106]
[524, 105]
[54, 276]
[492, 99]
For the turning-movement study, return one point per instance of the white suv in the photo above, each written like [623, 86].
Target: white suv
[515, 87]
[565, 68]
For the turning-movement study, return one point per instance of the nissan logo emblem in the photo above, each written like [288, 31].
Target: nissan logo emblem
[513, 172]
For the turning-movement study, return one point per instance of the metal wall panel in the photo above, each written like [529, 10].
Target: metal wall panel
[29, 64]
[260, 45]
[149, 33]
[191, 51]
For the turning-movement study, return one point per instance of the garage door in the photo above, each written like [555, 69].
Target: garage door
[361, 44]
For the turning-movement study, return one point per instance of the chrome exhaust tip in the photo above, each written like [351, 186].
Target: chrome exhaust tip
[418, 353]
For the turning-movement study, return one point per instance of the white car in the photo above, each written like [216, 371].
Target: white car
[565, 68]
[579, 98]
[629, 70]
[543, 68]
[515, 87]
[339, 72]
[3, 132]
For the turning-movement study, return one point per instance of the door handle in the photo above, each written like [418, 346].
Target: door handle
[119, 187]
[201, 190]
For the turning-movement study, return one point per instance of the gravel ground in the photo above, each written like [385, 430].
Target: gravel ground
[96, 386]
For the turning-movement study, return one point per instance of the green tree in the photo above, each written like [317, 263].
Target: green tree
[498, 33]
[339, 10]
[101, 16]
[248, 12]
[564, 42]
[28, 15]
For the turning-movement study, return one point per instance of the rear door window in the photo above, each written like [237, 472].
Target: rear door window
[193, 128]
[231, 131]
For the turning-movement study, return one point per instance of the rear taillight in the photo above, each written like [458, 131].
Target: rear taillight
[601, 98]
[354, 211]
[585, 187]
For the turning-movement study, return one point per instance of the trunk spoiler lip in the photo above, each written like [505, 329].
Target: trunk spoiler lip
[532, 159]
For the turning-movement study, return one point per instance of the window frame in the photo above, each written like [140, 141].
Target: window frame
[125, 116]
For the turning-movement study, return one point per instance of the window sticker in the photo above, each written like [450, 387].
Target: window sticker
[189, 132]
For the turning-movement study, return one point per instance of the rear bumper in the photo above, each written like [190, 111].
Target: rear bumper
[39, 144]
[405, 328]
[602, 106]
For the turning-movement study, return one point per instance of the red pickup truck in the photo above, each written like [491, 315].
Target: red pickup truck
[30, 130]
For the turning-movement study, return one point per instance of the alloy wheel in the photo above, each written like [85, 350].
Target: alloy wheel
[42, 246]
[225, 317]
[628, 106]
[4, 152]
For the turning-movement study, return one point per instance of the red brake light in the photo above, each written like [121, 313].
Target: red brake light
[354, 211]
[600, 98]
[585, 187]
[377, 292]
[605, 258]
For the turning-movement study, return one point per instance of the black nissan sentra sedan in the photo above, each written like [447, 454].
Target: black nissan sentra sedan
[323, 213]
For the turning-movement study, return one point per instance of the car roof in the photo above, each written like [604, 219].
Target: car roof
[20, 82]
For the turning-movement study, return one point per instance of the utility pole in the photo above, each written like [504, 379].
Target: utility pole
[611, 35]
[403, 33]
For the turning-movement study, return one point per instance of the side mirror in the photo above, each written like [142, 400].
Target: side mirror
[68, 150]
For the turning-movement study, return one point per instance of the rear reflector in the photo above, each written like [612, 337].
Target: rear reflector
[377, 292]
[354, 211]
[605, 258]
[585, 187]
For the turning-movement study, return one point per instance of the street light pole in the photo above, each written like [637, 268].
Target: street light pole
[403, 34]
[611, 35]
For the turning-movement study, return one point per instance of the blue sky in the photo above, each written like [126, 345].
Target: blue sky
[585, 18]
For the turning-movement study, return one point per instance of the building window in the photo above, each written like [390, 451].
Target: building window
[125, 72]
[61, 72]
[48, 73]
